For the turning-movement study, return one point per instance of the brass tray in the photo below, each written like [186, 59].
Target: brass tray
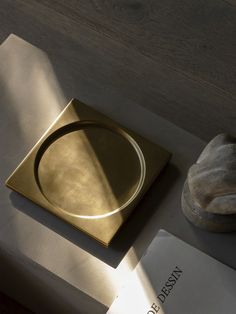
[89, 171]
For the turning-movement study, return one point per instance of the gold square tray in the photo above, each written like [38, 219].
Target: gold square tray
[89, 171]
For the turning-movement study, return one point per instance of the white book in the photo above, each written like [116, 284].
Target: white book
[175, 278]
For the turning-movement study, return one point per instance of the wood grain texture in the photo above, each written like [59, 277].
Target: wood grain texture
[176, 58]
[194, 37]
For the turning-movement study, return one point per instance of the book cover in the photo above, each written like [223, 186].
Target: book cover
[174, 278]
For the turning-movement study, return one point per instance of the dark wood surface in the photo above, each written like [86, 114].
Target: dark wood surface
[9, 306]
[177, 58]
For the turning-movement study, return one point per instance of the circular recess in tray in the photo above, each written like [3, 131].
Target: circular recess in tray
[89, 170]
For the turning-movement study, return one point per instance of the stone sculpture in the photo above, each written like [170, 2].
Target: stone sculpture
[209, 194]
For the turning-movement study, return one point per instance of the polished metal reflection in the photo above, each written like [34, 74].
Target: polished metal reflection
[89, 171]
[81, 170]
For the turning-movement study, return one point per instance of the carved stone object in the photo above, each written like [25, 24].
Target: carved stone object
[209, 194]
